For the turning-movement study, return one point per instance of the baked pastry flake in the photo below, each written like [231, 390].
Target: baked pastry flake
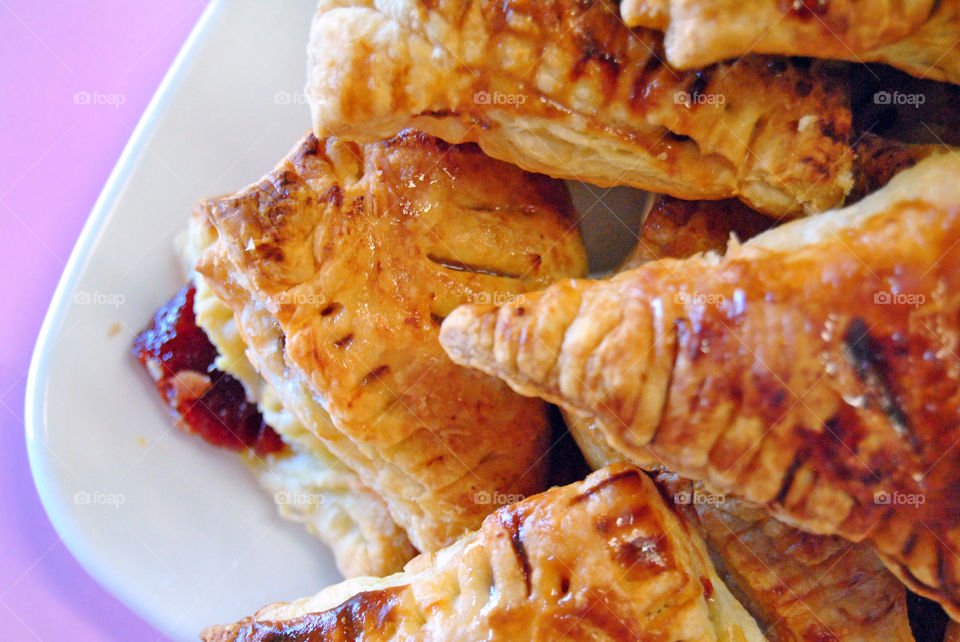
[339, 267]
[565, 89]
[602, 559]
[813, 369]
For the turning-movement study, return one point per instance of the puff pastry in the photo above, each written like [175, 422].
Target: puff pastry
[565, 89]
[339, 267]
[307, 482]
[602, 559]
[799, 586]
[917, 36]
[813, 369]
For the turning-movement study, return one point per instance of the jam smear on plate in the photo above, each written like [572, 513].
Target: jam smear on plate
[179, 357]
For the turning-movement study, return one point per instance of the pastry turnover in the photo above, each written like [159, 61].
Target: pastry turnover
[798, 585]
[307, 482]
[602, 559]
[565, 89]
[813, 369]
[339, 267]
[917, 36]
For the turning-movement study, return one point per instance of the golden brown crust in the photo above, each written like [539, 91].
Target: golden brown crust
[914, 35]
[800, 587]
[339, 267]
[813, 369]
[307, 482]
[564, 88]
[602, 559]
[678, 229]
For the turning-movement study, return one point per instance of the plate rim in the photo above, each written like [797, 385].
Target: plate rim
[34, 399]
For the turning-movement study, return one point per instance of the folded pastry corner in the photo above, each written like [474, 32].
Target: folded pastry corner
[812, 369]
[917, 36]
[339, 267]
[566, 89]
[601, 559]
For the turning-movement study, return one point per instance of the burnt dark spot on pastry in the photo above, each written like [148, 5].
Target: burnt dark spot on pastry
[788, 477]
[564, 586]
[593, 50]
[512, 521]
[344, 342]
[536, 260]
[356, 206]
[680, 138]
[612, 479]
[311, 146]
[911, 543]
[374, 374]
[866, 355]
[834, 130]
[334, 196]
[520, 312]
[366, 614]
[437, 319]
[803, 88]
[331, 308]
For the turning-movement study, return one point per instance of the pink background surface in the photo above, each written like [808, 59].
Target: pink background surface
[55, 156]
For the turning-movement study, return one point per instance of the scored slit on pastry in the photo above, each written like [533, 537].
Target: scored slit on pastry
[917, 36]
[339, 267]
[812, 369]
[601, 559]
[565, 89]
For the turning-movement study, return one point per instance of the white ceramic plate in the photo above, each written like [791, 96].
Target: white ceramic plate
[177, 530]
